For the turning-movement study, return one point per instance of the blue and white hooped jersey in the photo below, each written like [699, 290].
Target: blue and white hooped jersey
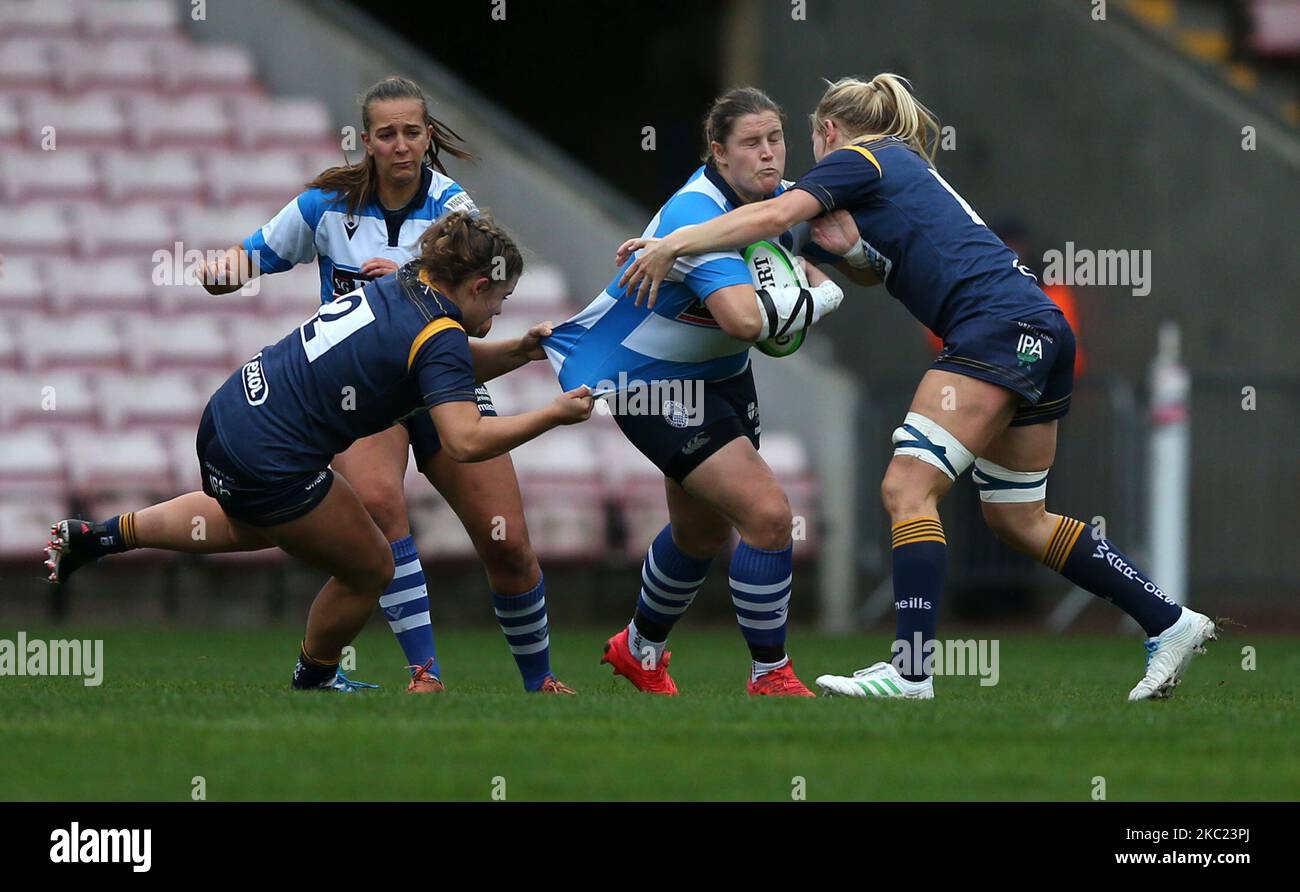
[613, 343]
[316, 224]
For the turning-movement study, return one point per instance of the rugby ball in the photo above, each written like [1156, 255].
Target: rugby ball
[771, 266]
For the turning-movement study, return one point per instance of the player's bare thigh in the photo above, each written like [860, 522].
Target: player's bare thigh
[485, 496]
[375, 466]
[1028, 448]
[337, 536]
[971, 410]
[739, 485]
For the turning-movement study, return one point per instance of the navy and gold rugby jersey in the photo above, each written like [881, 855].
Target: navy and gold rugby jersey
[366, 360]
[927, 244]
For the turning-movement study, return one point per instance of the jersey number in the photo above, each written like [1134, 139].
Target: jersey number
[970, 212]
[335, 322]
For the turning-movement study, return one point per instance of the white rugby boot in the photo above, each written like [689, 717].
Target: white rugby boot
[877, 680]
[1170, 652]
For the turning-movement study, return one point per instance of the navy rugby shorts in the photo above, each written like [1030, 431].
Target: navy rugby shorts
[1032, 355]
[678, 434]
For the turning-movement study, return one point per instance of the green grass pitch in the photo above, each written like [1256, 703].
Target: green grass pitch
[178, 704]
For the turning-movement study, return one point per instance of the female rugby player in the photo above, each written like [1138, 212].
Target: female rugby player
[361, 222]
[996, 391]
[397, 346]
[691, 359]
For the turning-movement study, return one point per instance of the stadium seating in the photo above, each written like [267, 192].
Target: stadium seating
[161, 151]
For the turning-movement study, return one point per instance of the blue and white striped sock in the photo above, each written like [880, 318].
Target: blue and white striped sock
[406, 606]
[760, 592]
[523, 621]
[670, 580]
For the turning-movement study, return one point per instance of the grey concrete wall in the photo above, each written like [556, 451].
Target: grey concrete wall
[1094, 134]
[1083, 130]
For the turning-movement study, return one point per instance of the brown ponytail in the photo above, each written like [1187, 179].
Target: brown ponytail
[460, 247]
[357, 183]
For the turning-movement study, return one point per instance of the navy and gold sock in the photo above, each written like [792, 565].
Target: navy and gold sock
[920, 561]
[115, 535]
[311, 672]
[1082, 555]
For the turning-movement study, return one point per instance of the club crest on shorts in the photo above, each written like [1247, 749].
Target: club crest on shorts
[675, 414]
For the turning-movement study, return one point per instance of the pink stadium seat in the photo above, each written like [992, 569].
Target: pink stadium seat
[101, 462]
[191, 297]
[22, 282]
[25, 63]
[541, 293]
[136, 18]
[50, 399]
[438, 532]
[168, 174]
[137, 228]
[523, 390]
[176, 342]
[44, 229]
[314, 161]
[209, 228]
[188, 68]
[25, 526]
[66, 173]
[192, 121]
[30, 461]
[295, 290]
[116, 65]
[631, 483]
[184, 460]
[249, 334]
[87, 120]
[9, 354]
[786, 456]
[84, 341]
[162, 398]
[255, 176]
[283, 123]
[563, 496]
[110, 283]
[39, 18]
[10, 126]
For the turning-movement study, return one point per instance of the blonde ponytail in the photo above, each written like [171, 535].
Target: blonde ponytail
[883, 106]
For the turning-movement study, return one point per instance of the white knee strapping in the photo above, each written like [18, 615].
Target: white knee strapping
[921, 438]
[999, 484]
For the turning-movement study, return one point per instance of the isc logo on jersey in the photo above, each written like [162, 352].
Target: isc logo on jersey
[255, 386]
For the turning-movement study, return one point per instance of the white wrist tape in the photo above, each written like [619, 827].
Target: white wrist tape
[792, 308]
[857, 256]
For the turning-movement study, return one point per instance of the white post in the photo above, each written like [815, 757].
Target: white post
[1168, 482]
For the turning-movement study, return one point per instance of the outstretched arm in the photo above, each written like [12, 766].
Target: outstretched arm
[468, 436]
[492, 359]
[735, 229]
